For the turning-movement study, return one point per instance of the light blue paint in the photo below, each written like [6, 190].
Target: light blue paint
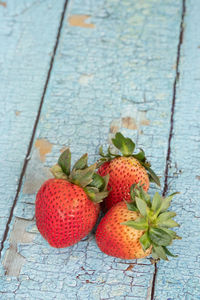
[123, 67]
[180, 279]
[27, 34]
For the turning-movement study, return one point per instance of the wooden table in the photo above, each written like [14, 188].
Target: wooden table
[72, 74]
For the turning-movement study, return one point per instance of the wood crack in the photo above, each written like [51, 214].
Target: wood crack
[168, 157]
[34, 128]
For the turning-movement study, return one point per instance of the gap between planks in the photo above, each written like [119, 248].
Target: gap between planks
[168, 157]
[39, 113]
[34, 128]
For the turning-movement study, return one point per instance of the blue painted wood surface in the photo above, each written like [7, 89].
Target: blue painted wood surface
[27, 33]
[180, 279]
[114, 69]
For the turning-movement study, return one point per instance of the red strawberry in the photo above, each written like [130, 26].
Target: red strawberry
[67, 207]
[124, 171]
[136, 229]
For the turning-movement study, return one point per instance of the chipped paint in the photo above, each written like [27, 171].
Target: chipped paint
[44, 147]
[63, 149]
[143, 119]
[80, 21]
[115, 126]
[17, 112]
[134, 118]
[161, 96]
[36, 174]
[24, 65]
[3, 3]
[128, 122]
[184, 283]
[149, 291]
[130, 267]
[133, 122]
[124, 61]
[85, 79]
[13, 260]
[198, 177]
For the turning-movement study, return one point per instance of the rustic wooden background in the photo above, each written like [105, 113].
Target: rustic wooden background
[72, 73]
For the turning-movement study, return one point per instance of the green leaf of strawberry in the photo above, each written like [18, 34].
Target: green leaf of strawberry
[64, 161]
[155, 220]
[125, 145]
[140, 156]
[142, 206]
[159, 252]
[157, 201]
[165, 216]
[97, 181]
[145, 241]
[140, 224]
[169, 223]
[57, 172]
[166, 202]
[82, 175]
[131, 206]
[81, 163]
[167, 252]
[152, 175]
[160, 237]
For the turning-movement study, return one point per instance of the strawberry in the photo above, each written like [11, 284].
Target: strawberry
[134, 230]
[67, 206]
[124, 170]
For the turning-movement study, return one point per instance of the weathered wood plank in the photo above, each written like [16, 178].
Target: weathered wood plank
[113, 71]
[28, 34]
[180, 279]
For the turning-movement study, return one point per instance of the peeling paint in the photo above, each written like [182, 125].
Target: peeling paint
[63, 149]
[133, 121]
[128, 122]
[44, 147]
[13, 261]
[174, 67]
[143, 120]
[109, 54]
[85, 79]
[79, 21]
[17, 112]
[161, 96]
[149, 291]
[133, 117]
[115, 126]
[3, 4]
[36, 174]
[198, 177]
[130, 267]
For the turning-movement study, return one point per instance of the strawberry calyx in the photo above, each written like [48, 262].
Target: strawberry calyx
[155, 220]
[126, 146]
[94, 185]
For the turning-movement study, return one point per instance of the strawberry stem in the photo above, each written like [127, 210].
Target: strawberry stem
[155, 220]
[126, 146]
[82, 175]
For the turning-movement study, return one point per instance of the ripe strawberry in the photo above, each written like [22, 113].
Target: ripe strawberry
[67, 206]
[136, 229]
[124, 171]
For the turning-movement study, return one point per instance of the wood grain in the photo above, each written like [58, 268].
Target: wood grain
[179, 279]
[116, 75]
[28, 34]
